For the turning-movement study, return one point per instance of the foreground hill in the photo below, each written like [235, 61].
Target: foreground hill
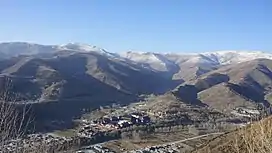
[256, 138]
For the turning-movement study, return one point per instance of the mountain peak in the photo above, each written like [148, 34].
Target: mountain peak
[81, 47]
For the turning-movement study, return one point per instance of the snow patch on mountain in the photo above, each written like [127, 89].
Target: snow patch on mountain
[86, 48]
[164, 62]
[81, 47]
[155, 61]
[230, 57]
[13, 49]
[201, 59]
[141, 57]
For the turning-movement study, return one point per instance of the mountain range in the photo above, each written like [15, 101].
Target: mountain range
[172, 63]
[78, 75]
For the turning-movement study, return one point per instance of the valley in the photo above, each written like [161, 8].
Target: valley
[84, 96]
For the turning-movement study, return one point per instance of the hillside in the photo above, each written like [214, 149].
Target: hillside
[66, 83]
[77, 77]
[223, 98]
[256, 138]
[245, 84]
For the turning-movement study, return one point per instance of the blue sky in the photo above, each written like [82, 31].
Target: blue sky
[142, 25]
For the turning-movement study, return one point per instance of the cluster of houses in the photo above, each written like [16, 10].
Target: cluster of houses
[95, 149]
[88, 130]
[169, 148]
[124, 121]
[106, 123]
[34, 142]
[246, 112]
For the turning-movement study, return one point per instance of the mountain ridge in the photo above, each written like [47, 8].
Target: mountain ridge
[86, 47]
[173, 65]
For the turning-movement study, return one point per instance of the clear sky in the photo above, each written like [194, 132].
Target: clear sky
[141, 25]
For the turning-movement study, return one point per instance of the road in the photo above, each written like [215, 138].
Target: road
[196, 137]
[165, 144]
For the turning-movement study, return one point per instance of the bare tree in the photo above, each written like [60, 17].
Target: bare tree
[16, 121]
[14, 117]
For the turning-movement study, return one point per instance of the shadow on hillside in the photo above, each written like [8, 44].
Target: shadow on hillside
[80, 91]
[188, 94]
[60, 115]
[210, 81]
[249, 92]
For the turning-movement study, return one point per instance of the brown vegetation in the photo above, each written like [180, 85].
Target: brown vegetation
[254, 138]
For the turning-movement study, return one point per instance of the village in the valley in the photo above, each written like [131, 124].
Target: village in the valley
[89, 128]
[93, 129]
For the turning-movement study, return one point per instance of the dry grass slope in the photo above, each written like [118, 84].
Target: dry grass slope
[223, 98]
[254, 138]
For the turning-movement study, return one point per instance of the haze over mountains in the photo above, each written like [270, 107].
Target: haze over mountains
[80, 75]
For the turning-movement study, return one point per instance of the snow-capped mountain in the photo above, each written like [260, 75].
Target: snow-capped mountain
[189, 66]
[219, 57]
[11, 49]
[152, 60]
[78, 47]
[230, 57]
[176, 64]
[213, 58]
